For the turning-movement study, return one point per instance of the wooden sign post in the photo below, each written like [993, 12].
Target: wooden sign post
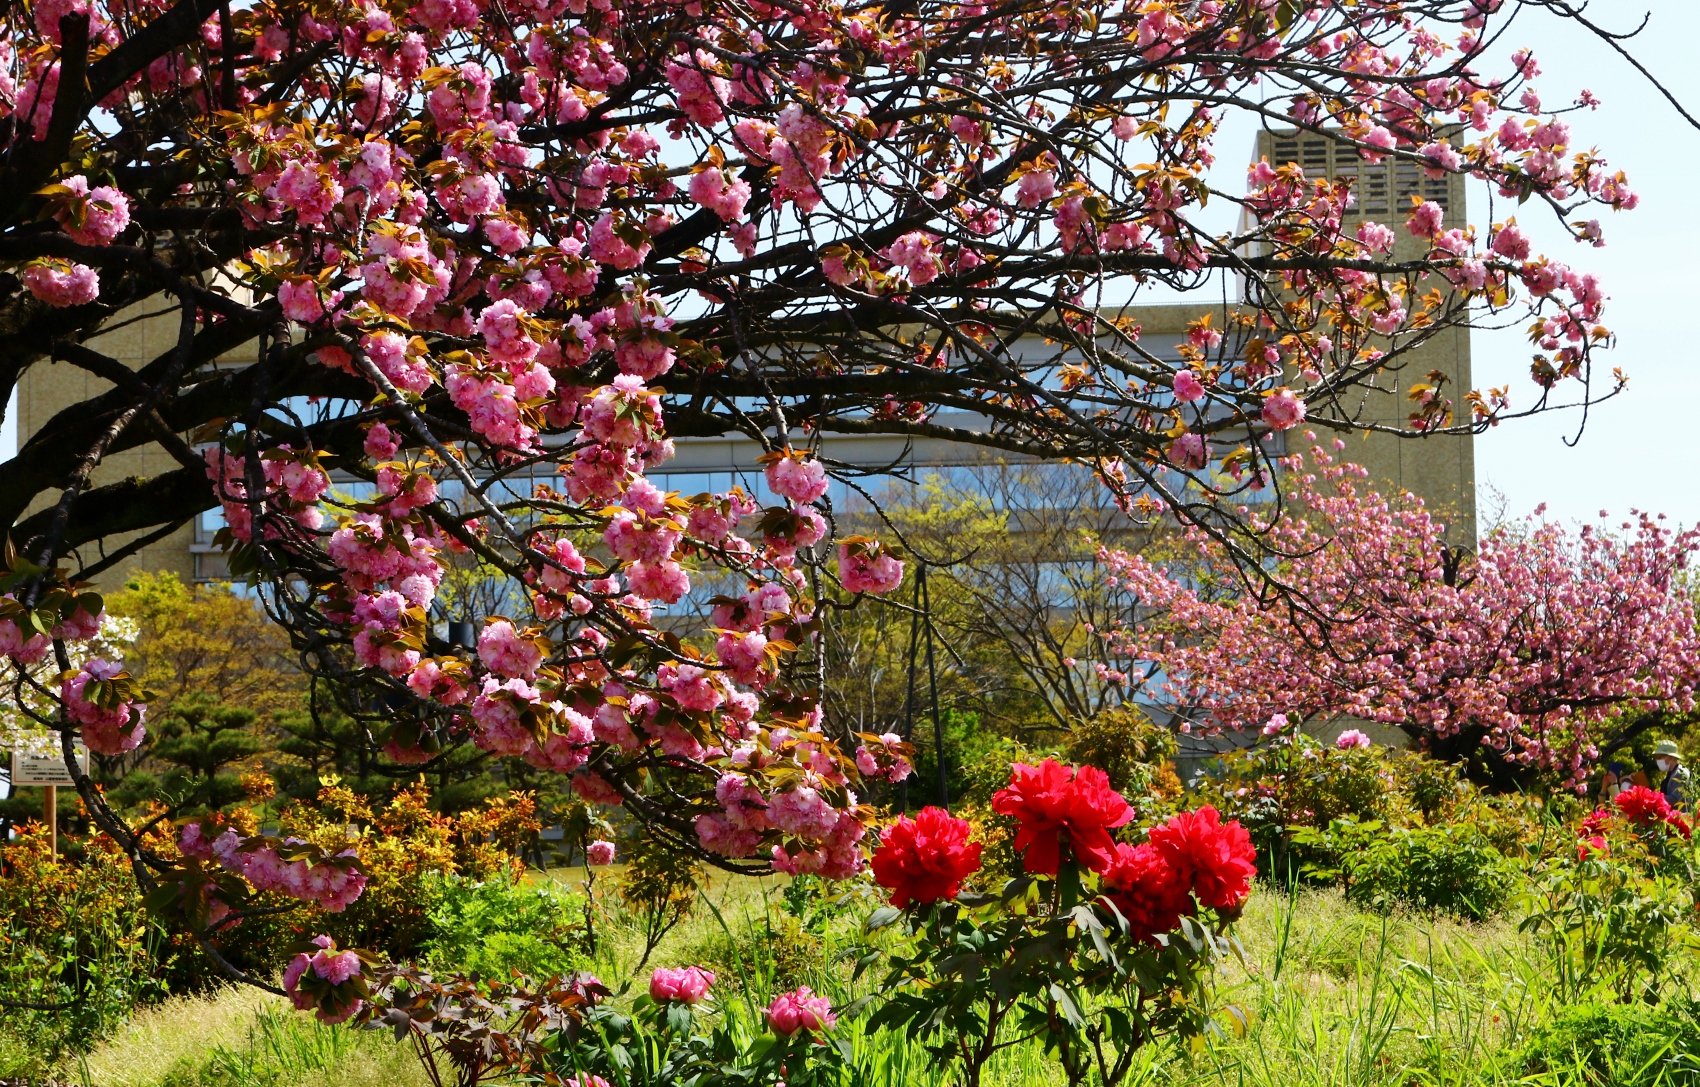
[47, 769]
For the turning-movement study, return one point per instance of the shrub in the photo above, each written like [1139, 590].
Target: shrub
[1619, 1045]
[1611, 907]
[1136, 754]
[989, 772]
[999, 861]
[1297, 782]
[74, 937]
[1450, 867]
[1435, 788]
[495, 928]
[404, 849]
[1325, 783]
[1516, 824]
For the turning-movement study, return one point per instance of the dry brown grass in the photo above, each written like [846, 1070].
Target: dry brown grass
[174, 1044]
[174, 1037]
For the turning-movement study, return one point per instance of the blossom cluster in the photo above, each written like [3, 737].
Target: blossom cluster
[686, 985]
[112, 724]
[885, 756]
[291, 867]
[1648, 808]
[925, 859]
[1065, 815]
[815, 815]
[1062, 810]
[801, 1009]
[1194, 856]
[326, 981]
[294, 483]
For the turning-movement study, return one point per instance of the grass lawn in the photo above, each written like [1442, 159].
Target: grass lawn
[1327, 995]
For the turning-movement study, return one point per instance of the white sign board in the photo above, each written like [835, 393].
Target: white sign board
[42, 767]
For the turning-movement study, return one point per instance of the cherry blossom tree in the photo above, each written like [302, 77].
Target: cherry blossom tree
[475, 241]
[1517, 656]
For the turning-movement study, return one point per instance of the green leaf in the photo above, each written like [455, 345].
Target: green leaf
[856, 1007]
[1120, 1023]
[880, 918]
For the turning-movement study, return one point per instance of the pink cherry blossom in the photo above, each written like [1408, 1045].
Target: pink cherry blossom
[1425, 221]
[300, 300]
[865, 569]
[800, 480]
[1188, 389]
[1036, 188]
[107, 729]
[1375, 237]
[1283, 410]
[17, 647]
[915, 253]
[60, 283]
[1189, 451]
[1448, 658]
[93, 216]
[711, 189]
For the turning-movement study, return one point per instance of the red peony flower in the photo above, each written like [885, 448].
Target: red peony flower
[1595, 822]
[1217, 858]
[1147, 890]
[926, 858]
[1642, 806]
[1051, 800]
[1676, 822]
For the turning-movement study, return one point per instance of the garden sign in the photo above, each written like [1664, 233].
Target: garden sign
[45, 767]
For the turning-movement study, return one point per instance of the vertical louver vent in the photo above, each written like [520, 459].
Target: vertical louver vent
[1383, 190]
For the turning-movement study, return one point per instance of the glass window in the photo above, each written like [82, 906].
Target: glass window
[686, 483]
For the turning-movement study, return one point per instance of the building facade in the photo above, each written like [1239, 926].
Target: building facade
[1440, 468]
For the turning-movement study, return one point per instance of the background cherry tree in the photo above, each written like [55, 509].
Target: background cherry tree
[475, 240]
[1515, 656]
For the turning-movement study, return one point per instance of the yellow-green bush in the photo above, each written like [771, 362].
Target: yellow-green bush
[75, 941]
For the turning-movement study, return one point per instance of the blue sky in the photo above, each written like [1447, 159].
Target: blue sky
[1636, 450]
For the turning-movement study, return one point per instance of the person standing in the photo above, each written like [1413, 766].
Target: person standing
[1674, 777]
[1614, 780]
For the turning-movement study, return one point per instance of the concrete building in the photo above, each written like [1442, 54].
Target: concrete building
[1439, 468]
[137, 336]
